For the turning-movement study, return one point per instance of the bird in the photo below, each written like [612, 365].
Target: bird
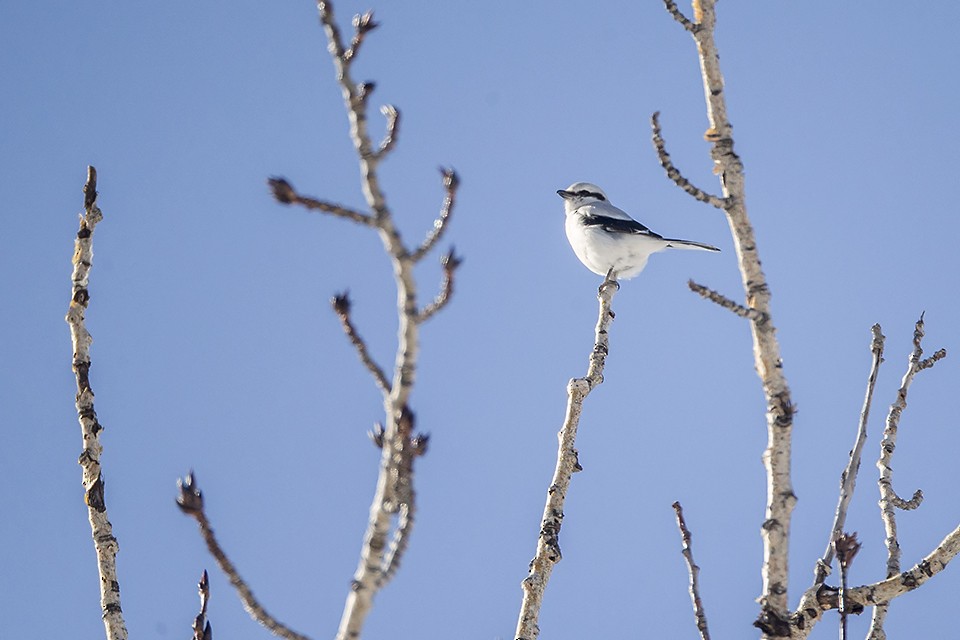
[606, 239]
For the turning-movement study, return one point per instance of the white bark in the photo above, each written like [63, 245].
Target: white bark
[548, 542]
[848, 479]
[105, 545]
[775, 530]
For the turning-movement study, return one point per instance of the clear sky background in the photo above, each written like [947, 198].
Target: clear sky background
[215, 347]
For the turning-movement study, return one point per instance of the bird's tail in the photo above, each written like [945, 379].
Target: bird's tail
[689, 244]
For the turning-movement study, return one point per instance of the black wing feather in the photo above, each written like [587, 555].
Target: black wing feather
[618, 225]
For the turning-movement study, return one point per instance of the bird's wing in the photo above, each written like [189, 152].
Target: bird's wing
[617, 225]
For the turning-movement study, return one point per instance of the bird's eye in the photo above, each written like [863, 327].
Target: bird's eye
[583, 193]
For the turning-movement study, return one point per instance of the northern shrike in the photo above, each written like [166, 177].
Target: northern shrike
[606, 239]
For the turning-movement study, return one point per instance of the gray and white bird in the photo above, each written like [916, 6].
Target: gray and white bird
[606, 239]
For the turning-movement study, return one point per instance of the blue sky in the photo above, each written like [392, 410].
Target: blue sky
[215, 348]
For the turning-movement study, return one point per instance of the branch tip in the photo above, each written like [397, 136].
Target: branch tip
[419, 443]
[365, 90]
[450, 261]
[90, 188]
[283, 191]
[392, 114]
[341, 303]
[364, 23]
[190, 498]
[907, 505]
[451, 182]
[694, 572]
[376, 435]
[450, 178]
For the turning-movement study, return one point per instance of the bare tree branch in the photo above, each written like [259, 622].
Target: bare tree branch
[694, 570]
[394, 499]
[399, 542]
[818, 599]
[679, 17]
[341, 305]
[104, 543]
[392, 114]
[362, 24]
[846, 548]
[451, 182]
[781, 500]
[450, 262]
[674, 174]
[725, 302]
[848, 479]
[889, 500]
[284, 193]
[548, 542]
[201, 626]
[190, 501]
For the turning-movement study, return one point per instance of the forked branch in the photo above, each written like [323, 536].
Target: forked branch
[889, 500]
[190, 501]
[775, 530]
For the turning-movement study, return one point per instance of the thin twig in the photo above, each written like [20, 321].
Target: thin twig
[846, 547]
[694, 570]
[548, 541]
[190, 501]
[201, 626]
[284, 193]
[104, 543]
[725, 302]
[450, 262]
[399, 542]
[392, 114]
[451, 183]
[341, 305]
[674, 174]
[362, 25]
[848, 479]
[672, 9]
[889, 500]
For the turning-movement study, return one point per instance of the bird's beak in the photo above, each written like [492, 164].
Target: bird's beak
[566, 195]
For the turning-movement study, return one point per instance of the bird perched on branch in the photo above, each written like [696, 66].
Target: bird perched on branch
[607, 240]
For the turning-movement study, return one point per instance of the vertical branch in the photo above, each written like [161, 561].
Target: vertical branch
[846, 547]
[781, 500]
[104, 544]
[202, 630]
[694, 570]
[848, 479]
[394, 499]
[548, 542]
[889, 500]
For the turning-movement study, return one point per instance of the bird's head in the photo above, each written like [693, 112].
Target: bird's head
[581, 193]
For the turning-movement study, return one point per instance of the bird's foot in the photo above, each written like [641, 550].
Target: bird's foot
[610, 280]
